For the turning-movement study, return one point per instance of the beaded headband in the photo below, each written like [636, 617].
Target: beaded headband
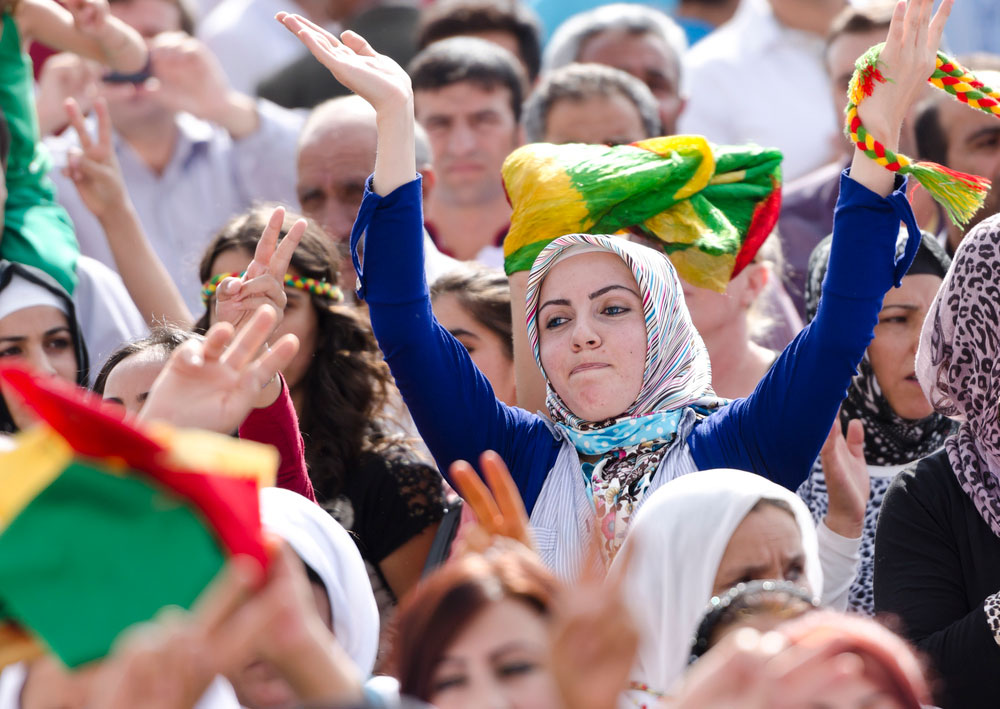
[961, 195]
[310, 285]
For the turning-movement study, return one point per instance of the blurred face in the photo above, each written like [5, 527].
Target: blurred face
[40, 338]
[592, 334]
[713, 312]
[334, 163]
[894, 350]
[485, 347]
[973, 140]
[300, 318]
[129, 383]
[471, 131]
[259, 685]
[497, 661]
[646, 57]
[130, 106]
[766, 545]
[611, 120]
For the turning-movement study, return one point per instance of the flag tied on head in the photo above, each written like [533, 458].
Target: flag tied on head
[708, 207]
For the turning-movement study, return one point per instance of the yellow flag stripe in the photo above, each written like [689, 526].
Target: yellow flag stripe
[39, 458]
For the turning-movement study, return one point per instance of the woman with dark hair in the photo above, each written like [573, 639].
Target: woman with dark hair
[473, 304]
[368, 478]
[476, 630]
[38, 326]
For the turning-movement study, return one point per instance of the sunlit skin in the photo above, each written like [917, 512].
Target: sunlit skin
[486, 348]
[471, 131]
[259, 685]
[646, 57]
[300, 318]
[137, 107]
[766, 545]
[39, 337]
[128, 384]
[592, 334]
[893, 351]
[609, 120]
[497, 660]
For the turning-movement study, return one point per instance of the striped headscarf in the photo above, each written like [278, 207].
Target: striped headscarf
[677, 375]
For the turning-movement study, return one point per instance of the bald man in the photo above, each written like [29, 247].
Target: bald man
[336, 154]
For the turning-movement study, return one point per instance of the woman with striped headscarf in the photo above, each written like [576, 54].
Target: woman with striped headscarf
[628, 379]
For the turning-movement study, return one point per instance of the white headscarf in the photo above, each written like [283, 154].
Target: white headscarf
[21, 293]
[328, 550]
[682, 532]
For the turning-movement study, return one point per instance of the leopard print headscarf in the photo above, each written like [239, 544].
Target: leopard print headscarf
[958, 365]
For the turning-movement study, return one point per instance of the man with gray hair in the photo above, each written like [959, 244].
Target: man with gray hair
[637, 39]
[590, 103]
[336, 154]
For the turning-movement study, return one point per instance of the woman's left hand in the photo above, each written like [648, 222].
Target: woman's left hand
[89, 16]
[263, 283]
[847, 482]
[213, 384]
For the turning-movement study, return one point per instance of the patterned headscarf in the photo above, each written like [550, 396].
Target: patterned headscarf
[958, 365]
[677, 375]
[890, 439]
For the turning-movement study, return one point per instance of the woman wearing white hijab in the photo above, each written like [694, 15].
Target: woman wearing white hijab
[331, 555]
[682, 547]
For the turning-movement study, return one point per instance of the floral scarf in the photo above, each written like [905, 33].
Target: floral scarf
[889, 438]
[958, 365]
[677, 376]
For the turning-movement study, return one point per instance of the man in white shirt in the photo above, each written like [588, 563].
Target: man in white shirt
[760, 78]
[193, 151]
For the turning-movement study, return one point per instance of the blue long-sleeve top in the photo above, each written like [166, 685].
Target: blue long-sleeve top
[777, 431]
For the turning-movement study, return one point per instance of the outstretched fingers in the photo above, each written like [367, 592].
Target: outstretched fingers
[250, 339]
[938, 22]
[282, 255]
[357, 43]
[75, 116]
[266, 246]
[476, 495]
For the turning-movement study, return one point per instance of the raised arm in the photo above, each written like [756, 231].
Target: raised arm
[451, 402]
[84, 27]
[778, 430]
[97, 177]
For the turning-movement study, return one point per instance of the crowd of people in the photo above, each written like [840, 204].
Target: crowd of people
[602, 368]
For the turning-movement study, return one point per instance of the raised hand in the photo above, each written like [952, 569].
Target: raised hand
[847, 480]
[378, 80]
[499, 509]
[64, 76]
[907, 61]
[263, 283]
[594, 639]
[213, 384]
[93, 167]
[89, 16]
[187, 77]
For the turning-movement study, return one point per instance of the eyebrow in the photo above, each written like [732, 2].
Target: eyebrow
[981, 133]
[596, 294]
[512, 646]
[904, 306]
[47, 333]
[459, 332]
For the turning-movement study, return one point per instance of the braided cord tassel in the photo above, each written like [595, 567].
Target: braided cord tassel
[960, 194]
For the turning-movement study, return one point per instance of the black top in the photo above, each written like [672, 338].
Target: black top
[936, 562]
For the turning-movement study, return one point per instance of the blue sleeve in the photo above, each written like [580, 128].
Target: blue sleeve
[450, 400]
[779, 429]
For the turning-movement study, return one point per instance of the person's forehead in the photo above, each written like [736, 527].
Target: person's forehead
[35, 320]
[148, 17]
[844, 51]
[594, 119]
[460, 98]
[338, 150]
[630, 51]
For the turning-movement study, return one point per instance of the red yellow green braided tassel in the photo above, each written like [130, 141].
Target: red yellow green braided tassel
[960, 194]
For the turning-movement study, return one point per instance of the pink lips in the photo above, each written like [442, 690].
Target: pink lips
[587, 367]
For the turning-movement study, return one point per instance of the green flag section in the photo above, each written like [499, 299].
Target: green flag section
[708, 207]
[100, 528]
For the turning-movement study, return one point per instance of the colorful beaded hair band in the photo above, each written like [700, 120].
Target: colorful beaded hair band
[310, 285]
[960, 194]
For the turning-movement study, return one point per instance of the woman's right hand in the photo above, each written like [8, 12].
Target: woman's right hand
[93, 167]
